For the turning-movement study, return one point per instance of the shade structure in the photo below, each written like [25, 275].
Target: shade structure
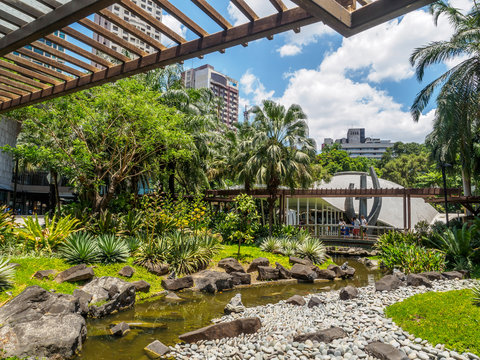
[50, 48]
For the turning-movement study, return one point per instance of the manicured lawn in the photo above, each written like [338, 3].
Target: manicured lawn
[441, 318]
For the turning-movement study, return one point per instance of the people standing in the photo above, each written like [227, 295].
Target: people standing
[356, 227]
[364, 223]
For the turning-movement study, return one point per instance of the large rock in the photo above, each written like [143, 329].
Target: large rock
[177, 284]
[314, 302]
[109, 294]
[418, 280]
[213, 281]
[432, 275]
[76, 273]
[267, 273]
[452, 275]
[369, 263]
[223, 330]
[383, 351]
[156, 269]
[324, 274]
[261, 261]
[388, 283]
[296, 260]
[83, 299]
[231, 265]
[44, 274]
[296, 300]
[339, 273]
[41, 324]
[284, 273]
[348, 293]
[241, 278]
[235, 305]
[325, 336]
[156, 349]
[141, 286]
[120, 329]
[126, 271]
[303, 272]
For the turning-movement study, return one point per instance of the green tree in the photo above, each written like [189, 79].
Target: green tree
[405, 169]
[333, 159]
[282, 150]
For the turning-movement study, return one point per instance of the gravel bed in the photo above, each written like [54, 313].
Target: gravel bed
[362, 318]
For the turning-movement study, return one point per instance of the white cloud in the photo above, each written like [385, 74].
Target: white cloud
[252, 87]
[174, 25]
[308, 35]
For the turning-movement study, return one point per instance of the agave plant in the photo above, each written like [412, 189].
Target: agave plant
[271, 244]
[131, 223]
[288, 246]
[476, 294]
[153, 251]
[48, 237]
[112, 249]
[80, 248]
[7, 273]
[312, 249]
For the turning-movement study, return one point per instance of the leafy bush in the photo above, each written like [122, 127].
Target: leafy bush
[271, 244]
[80, 248]
[312, 249]
[7, 273]
[46, 238]
[105, 222]
[112, 249]
[153, 251]
[132, 223]
[7, 224]
[476, 295]
[398, 250]
[133, 243]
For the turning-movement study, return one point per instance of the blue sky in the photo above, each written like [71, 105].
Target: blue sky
[364, 81]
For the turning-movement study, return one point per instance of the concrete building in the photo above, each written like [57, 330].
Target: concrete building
[223, 86]
[126, 15]
[356, 144]
[8, 136]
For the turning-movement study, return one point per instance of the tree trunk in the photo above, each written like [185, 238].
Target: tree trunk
[467, 183]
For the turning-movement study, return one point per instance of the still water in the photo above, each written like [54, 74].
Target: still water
[162, 320]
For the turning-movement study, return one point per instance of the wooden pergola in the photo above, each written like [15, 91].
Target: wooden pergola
[31, 70]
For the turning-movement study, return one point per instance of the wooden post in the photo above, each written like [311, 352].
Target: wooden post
[404, 212]
[409, 212]
[298, 212]
[288, 208]
[316, 221]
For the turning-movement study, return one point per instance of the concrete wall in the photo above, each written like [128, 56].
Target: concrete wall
[8, 135]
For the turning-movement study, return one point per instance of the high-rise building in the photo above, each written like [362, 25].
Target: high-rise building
[223, 86]
[147, 5]
[356, 144]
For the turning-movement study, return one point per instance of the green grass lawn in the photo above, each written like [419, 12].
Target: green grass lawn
[441, 318]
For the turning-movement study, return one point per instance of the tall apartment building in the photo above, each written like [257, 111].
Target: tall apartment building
[223, 86]
[356, 144]
[147, 5]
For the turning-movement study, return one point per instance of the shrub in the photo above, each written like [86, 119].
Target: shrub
[132, 223]
[80, 248]
[133, 243]
[476, 294]
[112, 249]
[153, 251]
[104, 222]
[312, 249]
[46, 238]
[271, 244]
[7, 224]
[7, 273]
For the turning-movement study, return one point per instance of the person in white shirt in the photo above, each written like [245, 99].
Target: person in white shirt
[356, 227]
[364, 223]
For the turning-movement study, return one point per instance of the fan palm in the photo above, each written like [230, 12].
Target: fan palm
[281, 149]
[459, 86]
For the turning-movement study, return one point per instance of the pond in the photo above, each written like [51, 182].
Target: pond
[166, 321]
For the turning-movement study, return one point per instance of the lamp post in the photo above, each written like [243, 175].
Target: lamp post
[444, 165]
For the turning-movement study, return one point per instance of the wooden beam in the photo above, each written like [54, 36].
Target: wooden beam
[23, 79]
[261, 28]
[8, 95]
[17, 84]
[213, 14]
[50, 22]
[29, 64]
[22, 6]
[329, 12]
[12, 19]
[149, 19]
[180, 16]
[5, 30]
[278, 5]
[29, 73]
[53, 4]
[245, 9]
[12, 89]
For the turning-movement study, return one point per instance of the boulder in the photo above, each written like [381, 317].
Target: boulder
[267, 273]
[432, 275]
[141, 286]
[349, 271]
[452, 275]
[156, 269]
[109, 294]
[235, 305]
[43, 274]
[383, 351]
[314, 302]
[284, 273]
[296, 260]
[83, 299]
[261, 261]
[156, 350]
[325, 336]
[213, 281]
[324, 273]
[223, 330]
[339, 273]
[418, 280]
[241, 278]
[231, 265]
[296, 300]
[399, 274]
[348, 293]
[303, 272]
[388, 283]
[41, 324]
[369, 263]
[171, 296]
[120, 329]
[76, 273]
[177, 284]
[126, 271]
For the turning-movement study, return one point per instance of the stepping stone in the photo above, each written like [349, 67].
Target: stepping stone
[325, 336]
[156, 350]
[120, 329]
[385, 351]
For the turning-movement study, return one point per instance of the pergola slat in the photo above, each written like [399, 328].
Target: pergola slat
[12, 90]
[5, 30]
[36, 67]
[50, 3]
[18, 85]
[213, 14]
[8, 95]
[278, 5]
[23, 79]
[245, 9]
[12, 19]
[180, 16]
[29, 73]
[23, 7]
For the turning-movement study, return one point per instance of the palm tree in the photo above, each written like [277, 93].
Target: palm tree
[457, 109]
[282, 150]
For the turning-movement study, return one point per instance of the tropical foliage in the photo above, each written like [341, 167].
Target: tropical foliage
[7, 273]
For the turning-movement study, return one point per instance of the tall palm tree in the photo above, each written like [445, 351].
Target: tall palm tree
[457, 103]
[282, 150]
